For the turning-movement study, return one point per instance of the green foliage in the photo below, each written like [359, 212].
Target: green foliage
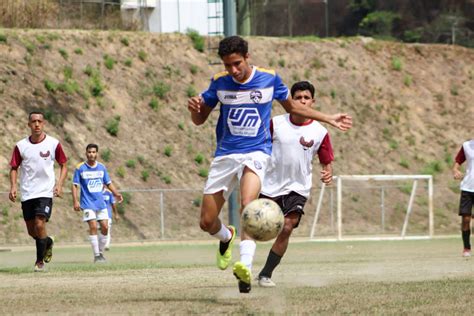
[199, 158]
[128, 62]
[67, 71]
[154, 104]
[168, 150]
[407, 80]
[127, 199]
[30, 47]
[105, 154]
[198, 40]
[124, 41]
[141, 159]
[78, 51]
[109, 62]
[333, 93]
[120, 172]
[166, 179]
[414, 35]
[191, 91]
[50, 86]
[145, 175]
[197, 201]
[3, 38]
[63, 53]
[406, 188]
[454, 90]
[393, 144]
[378, 23]
[432, 168]
[55, 118]
[193, 69]
[142, 55]
[112, 125]
[404, 163]
[203, 172]
[281, 62]
[397, 63]
[160, 89]
[130, 164]
[181, 126]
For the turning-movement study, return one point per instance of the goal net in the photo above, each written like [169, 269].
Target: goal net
[374, 207]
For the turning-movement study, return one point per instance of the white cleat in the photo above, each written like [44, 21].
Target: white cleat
[266, 282]
[466, 253]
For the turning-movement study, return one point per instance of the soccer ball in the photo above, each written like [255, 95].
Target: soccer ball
[262, 219]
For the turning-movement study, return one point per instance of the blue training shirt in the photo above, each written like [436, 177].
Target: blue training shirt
[92, 181]
[109, 200]
[245, 111]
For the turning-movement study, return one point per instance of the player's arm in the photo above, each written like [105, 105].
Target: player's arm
[115, 212]
[75, 197]
[460, 158]
[326, 157]
[13, 181]
[326, 173]
[199, 110]
[115, 192]
[341, 121]
[58, 188]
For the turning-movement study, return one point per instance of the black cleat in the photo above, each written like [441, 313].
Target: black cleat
[244, 287]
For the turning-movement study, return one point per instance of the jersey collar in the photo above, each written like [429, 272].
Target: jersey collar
[254, 69]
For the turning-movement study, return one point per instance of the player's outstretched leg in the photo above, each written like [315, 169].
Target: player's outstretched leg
[224, 253]
[264, 277]
[244, 275]
[48, 255]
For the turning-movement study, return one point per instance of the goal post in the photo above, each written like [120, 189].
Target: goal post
[344, 181]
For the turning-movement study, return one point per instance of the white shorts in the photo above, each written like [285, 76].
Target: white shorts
[88, 215]
[225, 171]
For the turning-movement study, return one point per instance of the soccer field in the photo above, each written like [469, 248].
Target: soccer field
[384, 277]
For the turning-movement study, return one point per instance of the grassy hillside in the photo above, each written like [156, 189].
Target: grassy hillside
[412, 108]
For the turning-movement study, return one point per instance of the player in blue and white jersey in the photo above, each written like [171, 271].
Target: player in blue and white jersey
[112, 212]
[245, 94]
[91, 176]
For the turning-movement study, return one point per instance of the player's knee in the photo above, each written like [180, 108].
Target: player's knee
[205, 224]
[287, 228]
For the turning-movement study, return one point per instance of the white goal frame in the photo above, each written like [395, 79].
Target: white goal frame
[345, 178]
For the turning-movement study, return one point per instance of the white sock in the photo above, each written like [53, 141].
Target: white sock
[223, 234]
[95, 244]
[107, 244]
[102, 242]
[247, 251]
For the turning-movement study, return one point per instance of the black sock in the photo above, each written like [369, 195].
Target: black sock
[40, 248]
[223, 247]
[49, 242]
[272, 261]
[466, 235]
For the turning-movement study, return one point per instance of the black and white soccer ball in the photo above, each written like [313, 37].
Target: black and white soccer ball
[262, 219]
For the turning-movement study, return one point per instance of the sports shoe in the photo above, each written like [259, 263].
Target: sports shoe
[39, 266]
[466, 253]
[264, 281]
[223, 260]
[48, 255]
[100, 259]
[243, 274]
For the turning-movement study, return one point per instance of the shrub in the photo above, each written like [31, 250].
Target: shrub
[198, 40]
[105, 154]
[197, 201]
[109, 62]
[120, 172]
[154, 104]
[191, 91]
[63, 53]
[142, 55]
[67, 71]
[404, 163]
[181, 126]
[145, 175]
[281, 63]
[407, 80]
[78, 51]
[199, 158]
[432, 168]
[112, 125]
[3, 38]
[194, 69]
[160, 89]
[130, 163]
[168, 151]
[50, 86]
[128, 62]
[397, 63]
[203, 172]
[166, 179]
[124, 41]
[127, 199]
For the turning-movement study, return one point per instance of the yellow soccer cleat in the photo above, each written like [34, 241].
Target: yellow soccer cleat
[244, 275]
[48, 255]
[224, 253]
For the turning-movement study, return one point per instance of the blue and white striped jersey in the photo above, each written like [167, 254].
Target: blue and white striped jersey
[245, 111]
[92, 181]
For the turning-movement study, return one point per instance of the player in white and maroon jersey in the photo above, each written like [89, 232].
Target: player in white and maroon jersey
[466, 153]
[35, 156]
[245, 94]
[296, 140]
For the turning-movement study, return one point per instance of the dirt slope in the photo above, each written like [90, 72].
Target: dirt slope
[412, 108]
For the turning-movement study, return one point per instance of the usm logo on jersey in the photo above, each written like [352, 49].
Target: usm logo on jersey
[244, 122]
[95, 185]
[44, 155]
[256, 96]
[306, 144]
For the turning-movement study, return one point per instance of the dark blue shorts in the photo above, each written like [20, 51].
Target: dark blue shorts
[37, 207]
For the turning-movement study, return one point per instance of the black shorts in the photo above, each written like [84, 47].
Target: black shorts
[466, 202]
[37, 207]
[292, 202]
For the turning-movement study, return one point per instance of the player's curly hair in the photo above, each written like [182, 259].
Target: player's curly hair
[302, 86]
[233, 44]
